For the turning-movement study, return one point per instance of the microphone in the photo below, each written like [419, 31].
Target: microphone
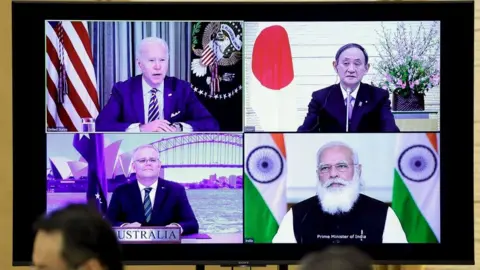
[348, 104]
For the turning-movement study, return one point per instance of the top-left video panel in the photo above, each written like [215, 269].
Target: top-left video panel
[144, 76]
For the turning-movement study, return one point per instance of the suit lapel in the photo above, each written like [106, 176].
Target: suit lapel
[138, 99]
[137, 200]
[160, 195]
[336, 105]
[360, 106]
[168, 98]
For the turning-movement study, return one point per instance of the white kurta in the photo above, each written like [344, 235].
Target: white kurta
[392, 234]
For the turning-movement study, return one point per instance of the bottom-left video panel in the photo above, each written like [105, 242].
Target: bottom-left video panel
[153, 188]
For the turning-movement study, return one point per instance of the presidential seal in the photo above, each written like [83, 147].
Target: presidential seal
[216, 68]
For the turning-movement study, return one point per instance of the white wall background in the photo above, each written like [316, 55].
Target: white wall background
[376, 153]
[313, 46]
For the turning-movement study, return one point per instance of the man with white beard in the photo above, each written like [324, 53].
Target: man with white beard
[339, 213]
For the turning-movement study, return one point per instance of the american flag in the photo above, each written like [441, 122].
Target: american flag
[91, 147]
[71, 82]
[209, 59]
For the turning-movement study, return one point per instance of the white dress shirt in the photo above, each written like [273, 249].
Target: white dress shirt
[393, 232]
[151, 194]
[353, 94]
[152, 197]
[147, 95]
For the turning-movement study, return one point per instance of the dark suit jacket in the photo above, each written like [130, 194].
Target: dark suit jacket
[327, 111]
[171, 206]
[125, 106]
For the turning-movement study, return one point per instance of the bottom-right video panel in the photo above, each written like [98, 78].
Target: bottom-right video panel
[342, 188]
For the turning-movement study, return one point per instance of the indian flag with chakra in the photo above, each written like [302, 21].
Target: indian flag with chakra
[416, 186]
[265, 185]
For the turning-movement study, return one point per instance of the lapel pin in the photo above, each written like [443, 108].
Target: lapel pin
[170, 94]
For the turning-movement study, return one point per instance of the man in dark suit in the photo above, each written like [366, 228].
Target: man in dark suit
[152, 101]
[150, 200]
[368, 106]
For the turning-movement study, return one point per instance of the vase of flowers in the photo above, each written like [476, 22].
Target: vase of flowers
[408, 65]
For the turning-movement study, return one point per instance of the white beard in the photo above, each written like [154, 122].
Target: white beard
[336, 200]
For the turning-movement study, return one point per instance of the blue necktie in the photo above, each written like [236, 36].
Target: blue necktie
[153, 110]
[350, 106]
[147, 204]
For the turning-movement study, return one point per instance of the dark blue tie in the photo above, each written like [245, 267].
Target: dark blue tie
[153, 108]
[147, 204]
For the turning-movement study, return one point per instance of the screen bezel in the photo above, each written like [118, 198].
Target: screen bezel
[457, 28]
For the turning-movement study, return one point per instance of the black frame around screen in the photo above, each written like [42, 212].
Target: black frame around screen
[457, 28]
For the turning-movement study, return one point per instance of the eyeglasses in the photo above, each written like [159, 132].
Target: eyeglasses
[144, 160]
[339, 167]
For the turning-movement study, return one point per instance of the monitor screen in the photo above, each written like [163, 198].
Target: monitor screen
[342, 188]
[203, 193]
[249, 137]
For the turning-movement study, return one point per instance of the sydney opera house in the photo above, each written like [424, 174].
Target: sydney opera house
[183, 151]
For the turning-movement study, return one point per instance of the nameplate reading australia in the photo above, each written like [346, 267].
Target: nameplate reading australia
[148, 235]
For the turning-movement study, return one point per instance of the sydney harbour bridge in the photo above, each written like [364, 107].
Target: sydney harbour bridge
[195, 150]
[201, 150]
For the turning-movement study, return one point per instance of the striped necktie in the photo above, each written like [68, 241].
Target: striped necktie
[147, 204]
[153, 108]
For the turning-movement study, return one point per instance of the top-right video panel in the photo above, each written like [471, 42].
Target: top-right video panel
[342, 76]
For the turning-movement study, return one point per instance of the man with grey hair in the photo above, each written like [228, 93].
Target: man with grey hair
[350, 105]
[153, 101]
[339, 213]
[151, 200]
